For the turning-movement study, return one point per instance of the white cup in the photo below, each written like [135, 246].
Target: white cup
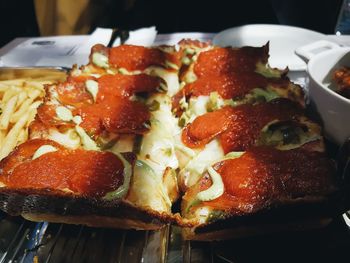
[323, 57]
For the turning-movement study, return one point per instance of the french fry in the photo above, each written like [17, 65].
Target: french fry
[34, 94]
[11, 138]
[9, 93]
[11, 82]
[22, 137]
[32, 114]
[3, 87]
[8, 109]
[2, 137]
[24, 108]
[19, 100]
[37, 84]
[35, 105]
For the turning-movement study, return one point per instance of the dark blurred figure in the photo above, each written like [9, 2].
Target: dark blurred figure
[217, 15]
[81, 17]
[196, 15]
[17, 19]
[318, 15]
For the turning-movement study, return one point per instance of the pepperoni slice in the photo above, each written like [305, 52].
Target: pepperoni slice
[126, 116]
[46, 113]
[125, 85]
[221, 61]
[47, 117]
[238, 127]
[115, 115]
[91, 116]
[227, 86]
[73, 92]
[37, 129]
[24, 153]
[263, 176]
[133, 57]
[206, 127]
[84, 172]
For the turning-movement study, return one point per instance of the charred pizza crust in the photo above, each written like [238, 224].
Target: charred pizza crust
[55, 206]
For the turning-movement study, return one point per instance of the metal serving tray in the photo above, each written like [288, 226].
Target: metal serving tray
[25, 241]
[54, 73]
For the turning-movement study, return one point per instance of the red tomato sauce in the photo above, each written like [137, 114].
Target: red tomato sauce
[74, 93]
[114, 115]
[87, 173]
[221, 61]
[125, 85]
[206, 127]
[237, 127]
[133, 57]
[24, 153]
[113, 110]
[227, 86]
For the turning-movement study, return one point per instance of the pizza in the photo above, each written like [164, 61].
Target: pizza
[138, 130]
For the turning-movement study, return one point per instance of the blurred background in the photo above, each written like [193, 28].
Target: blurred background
[23, 18]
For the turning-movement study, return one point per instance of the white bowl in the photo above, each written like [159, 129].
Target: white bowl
[333, 108]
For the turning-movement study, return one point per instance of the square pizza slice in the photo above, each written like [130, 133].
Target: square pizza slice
[279, 123]
[115, 111]
[256, 189]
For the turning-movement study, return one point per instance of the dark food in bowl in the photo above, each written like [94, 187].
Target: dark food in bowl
[341, 78]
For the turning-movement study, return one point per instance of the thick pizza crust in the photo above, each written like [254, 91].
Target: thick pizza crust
[57, 207]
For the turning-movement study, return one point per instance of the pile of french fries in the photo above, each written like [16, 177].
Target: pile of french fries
[19, 100]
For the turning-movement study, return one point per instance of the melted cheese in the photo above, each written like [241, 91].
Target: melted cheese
[194, 169]
[125, 143]
[92, 88]
[124, 188]
[64, 113]
[156, 156]
[44, 149]
[171, 78]
[69, 138]
[158, 144]
[100, 60]
[203, 213]
[147, 189]
[87, 142]
[197, 106]
[215, 190]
